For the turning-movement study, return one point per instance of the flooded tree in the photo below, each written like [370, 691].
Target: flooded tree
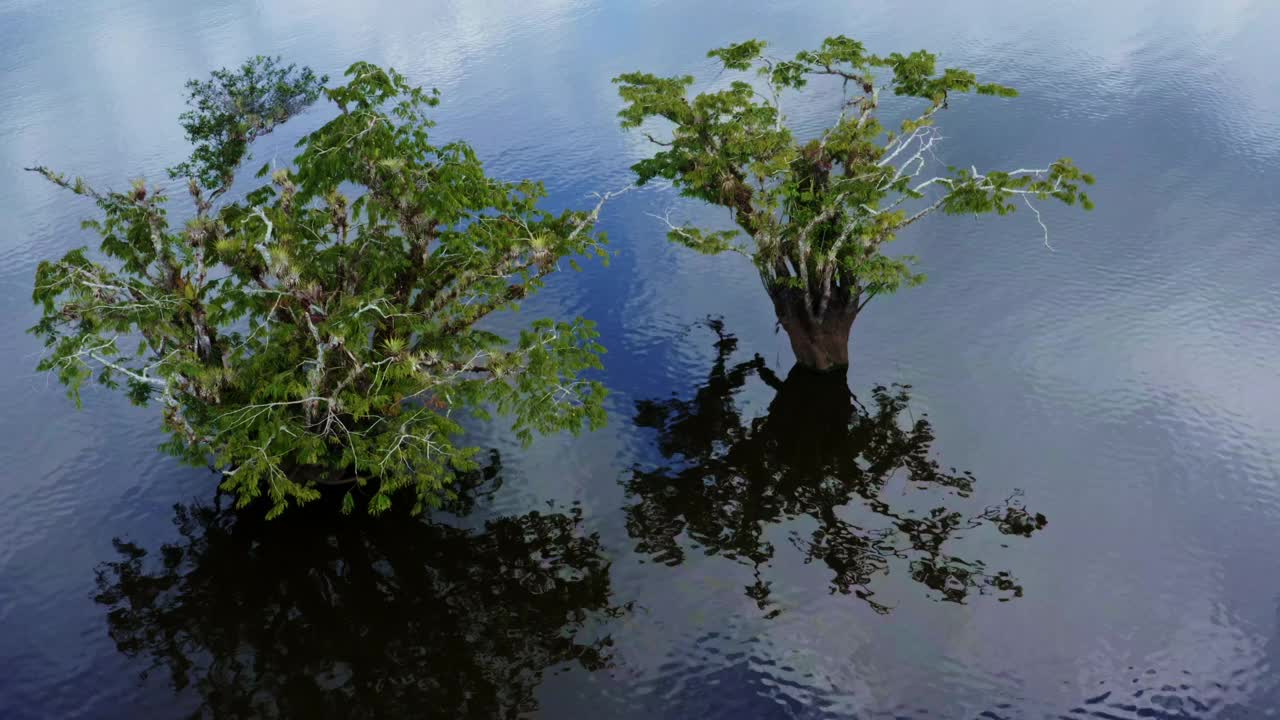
[817, 453]
[818, 212]
[322, 328]
[314, 615]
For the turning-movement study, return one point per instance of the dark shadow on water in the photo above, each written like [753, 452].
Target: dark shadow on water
[319, 615]
[817, 452]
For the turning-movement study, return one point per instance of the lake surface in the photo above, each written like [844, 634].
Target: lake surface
[736, 543]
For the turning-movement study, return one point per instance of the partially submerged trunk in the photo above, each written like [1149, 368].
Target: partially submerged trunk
[820, 340]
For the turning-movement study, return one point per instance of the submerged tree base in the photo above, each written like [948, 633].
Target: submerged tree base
[820, 341]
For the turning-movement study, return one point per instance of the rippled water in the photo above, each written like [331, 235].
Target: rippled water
[709, 554]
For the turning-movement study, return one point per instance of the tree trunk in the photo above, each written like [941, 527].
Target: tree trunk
[820, 342]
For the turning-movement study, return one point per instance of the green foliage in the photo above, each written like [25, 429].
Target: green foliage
[740, 56]
[324, 328]
[819, 211]
[232, 109]
[707, 242]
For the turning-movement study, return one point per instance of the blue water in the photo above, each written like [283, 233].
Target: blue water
[1125, 381]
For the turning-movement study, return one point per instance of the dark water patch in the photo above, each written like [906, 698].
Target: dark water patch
[317, 616]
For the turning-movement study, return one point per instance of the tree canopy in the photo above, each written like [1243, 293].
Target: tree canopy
[325, 326]
[814, 213]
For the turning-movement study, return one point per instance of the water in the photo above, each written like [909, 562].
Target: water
[714, 552]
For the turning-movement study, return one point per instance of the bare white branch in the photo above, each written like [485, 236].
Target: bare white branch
[1040, 220]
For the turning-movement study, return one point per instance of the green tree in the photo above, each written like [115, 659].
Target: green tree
[817, 212]
[323, 328]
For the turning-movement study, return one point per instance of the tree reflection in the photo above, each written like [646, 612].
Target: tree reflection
[318, 615]
[813, 454]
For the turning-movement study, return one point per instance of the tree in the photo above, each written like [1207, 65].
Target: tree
[818, 212]
[326, 327]
[816, 453]
[310, 617]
